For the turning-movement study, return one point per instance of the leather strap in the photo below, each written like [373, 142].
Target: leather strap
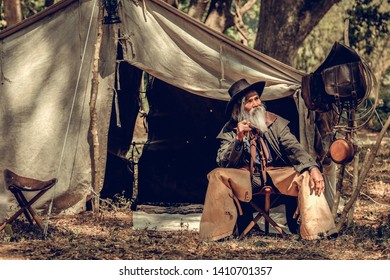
[263, 152]
[263, 159]
[253, 155]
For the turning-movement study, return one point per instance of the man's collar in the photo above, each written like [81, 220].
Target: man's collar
[270, 118]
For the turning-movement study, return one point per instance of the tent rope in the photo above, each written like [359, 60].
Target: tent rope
[222, 67]
[128, 38]
[69, 120]
[118, 81]
[117, 110]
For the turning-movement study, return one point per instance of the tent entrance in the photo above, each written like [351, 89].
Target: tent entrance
[118, 179]
[180, 146]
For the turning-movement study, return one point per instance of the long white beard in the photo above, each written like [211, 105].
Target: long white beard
[256, 116]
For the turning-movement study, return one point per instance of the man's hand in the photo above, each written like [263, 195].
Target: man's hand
[317, 180]
[242, 128]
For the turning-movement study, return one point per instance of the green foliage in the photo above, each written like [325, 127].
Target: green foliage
[183, 5]
[382, 110]
[3, 23]
[369, 22]
[369, 29]
[250, 19]
[29, 8]
[319, 42]
[368, 32]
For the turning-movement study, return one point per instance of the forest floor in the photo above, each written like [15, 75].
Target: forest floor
[108, 235]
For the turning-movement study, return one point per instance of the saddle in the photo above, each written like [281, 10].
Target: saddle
[339, 80]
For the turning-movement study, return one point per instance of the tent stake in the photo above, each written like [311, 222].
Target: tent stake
[93, 114]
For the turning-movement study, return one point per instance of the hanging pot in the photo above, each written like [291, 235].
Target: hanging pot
[342, 151]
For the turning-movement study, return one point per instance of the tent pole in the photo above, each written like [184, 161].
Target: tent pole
[93, 114]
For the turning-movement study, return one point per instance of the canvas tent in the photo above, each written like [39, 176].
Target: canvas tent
[46, 71]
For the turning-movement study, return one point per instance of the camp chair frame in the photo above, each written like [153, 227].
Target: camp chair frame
[17, 185]
[266, 192]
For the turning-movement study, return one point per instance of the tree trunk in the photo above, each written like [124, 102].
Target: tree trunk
[284, 25]
[218, 16]
[12, 12]
[197, 8]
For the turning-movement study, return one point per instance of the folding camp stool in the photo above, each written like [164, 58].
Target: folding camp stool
[266, 191]
[17, 185]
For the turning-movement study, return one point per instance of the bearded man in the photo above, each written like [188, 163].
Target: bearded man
[291, 171]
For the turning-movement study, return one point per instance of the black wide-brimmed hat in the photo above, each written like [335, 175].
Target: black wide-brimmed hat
[239, 89]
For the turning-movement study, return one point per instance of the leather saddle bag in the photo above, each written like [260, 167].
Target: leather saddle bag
[339, 76]
[345, 80]
[314, 95]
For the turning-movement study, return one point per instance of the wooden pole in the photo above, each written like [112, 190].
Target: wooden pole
[363, 174]
[93, 114]
[354, 186]
[337, 195]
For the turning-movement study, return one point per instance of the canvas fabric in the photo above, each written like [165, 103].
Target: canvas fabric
[208, 64]
[44, 103]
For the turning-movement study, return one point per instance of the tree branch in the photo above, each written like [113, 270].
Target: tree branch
[310, 14]
[239, 23]
[247, 6]
[363, 175]
[376, 202]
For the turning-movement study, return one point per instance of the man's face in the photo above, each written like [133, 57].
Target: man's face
[252, 100]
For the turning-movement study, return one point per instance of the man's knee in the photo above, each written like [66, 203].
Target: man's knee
[217, 174]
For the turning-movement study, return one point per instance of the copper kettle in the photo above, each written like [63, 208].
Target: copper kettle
[342, 151]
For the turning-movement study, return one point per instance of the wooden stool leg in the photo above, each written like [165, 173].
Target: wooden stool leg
[26, 207]
[37, 219]
[267, 206]
[3, 226]
[251, 225]
[14, 216]
[268, 218]
[35, 216]
[32, 212]
[23, 204]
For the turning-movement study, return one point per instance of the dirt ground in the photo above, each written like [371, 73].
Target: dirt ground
[108, 235]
